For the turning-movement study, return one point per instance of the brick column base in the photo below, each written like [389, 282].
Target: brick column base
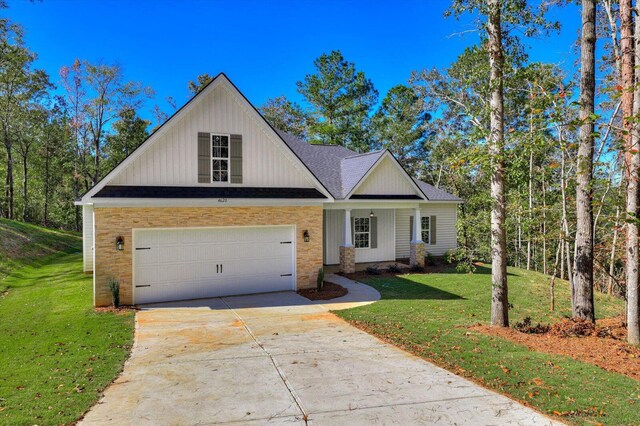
[416, 254]
[347, 259]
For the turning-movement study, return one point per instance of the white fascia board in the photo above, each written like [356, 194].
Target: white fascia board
[220, 79]
[382, 204]
[202, 202]
[376, 164]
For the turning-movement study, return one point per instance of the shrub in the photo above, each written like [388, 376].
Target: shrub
[429, 259]
[394, 269]
[114, 286]
[449, 256]
[320, 280]
[466, 267]
[373, 270]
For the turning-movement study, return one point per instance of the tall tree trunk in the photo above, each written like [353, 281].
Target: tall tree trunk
[582, 301]
[25, 188]
[530, 213]
[9, 187]
[499, 294]
[544, 224]
[631, 107]
[47, 186]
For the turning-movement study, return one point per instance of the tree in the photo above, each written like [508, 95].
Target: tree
[20, 85]
[582, 294]
[399, 126]
[341, 99]
[630, 103]
[129, 131]
[285, 115]
[201, 81]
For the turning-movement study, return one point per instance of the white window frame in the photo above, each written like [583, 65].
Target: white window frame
[368, 232]
[422, 229]
[212, 158]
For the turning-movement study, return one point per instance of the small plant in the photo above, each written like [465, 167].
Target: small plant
[373, 270]
[394, 269]
[417, 268]
[450, 256]
[466, 267]
[429, 259]
[114, 286]
[320, 280]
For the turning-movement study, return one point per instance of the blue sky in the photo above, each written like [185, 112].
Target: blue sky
[263, 46]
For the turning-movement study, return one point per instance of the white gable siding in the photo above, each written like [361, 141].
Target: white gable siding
[334, 228]
[87, 238]
[173, 159]
[386, 179]
[446, 235]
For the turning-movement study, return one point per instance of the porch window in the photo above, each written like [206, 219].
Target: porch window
[361, 232]
[426, 225]
[219, 158]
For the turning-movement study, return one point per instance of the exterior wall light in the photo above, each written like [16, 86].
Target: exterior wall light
[305, 235]
[371, 214]
[119, 243]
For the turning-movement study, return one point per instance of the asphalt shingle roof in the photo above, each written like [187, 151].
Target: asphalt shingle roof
[339, 169]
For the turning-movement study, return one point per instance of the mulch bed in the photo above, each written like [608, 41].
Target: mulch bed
[602, 345]
[118, 310]
[329, 291]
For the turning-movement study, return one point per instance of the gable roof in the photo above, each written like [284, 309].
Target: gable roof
[217, 80]
[341, 170]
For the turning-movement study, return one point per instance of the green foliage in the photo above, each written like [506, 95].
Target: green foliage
[320, 280]
[341, 99]
[201, 81]
[114, 288]
[394, 269]
[430, 315]
[129, 131]
[399, 126]
[285, 115]
[57, 353]
[373, 270]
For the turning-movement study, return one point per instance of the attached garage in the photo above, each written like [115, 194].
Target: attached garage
[192, 263]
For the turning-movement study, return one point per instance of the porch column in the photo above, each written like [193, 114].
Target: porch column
[416, 247]
[347, 251]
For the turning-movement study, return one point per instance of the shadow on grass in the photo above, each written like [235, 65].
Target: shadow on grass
[480, 270]
[399, 288]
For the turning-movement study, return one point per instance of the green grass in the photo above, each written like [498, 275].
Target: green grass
[429, 315]
[23, 243]
[56, 353]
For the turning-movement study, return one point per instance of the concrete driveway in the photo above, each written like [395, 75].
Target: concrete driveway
[278, 359]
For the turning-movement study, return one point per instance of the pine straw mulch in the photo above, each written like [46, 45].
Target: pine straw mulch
[119, 310]
[602, 345]
[329, 291]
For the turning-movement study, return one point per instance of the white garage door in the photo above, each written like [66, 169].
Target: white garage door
[192, 263]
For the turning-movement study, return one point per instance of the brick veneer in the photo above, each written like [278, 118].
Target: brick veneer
[416, 254]
[111, 222]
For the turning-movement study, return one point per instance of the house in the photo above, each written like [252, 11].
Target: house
[216, 202]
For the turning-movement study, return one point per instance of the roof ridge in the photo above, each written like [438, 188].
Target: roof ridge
[365, 153]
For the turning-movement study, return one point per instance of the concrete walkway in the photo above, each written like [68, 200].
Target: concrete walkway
[279, 359]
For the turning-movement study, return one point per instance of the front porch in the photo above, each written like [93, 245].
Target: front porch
[371, 235]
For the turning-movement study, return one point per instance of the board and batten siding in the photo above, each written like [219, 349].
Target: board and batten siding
[87, 238]
[334, 229]
[173, 158]
[386, 179]
[446, 236]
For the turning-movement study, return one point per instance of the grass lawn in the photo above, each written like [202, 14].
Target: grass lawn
[56, 353]
[23, 243]
[428, 314]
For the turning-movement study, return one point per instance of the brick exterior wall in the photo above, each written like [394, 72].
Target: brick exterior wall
[416, 254]
[347, 259]
[111, 222]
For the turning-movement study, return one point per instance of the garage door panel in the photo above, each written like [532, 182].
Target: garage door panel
[196, 263]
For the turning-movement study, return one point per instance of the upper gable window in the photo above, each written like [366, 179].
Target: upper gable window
[219, 158]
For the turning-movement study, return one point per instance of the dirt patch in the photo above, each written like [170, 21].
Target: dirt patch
[329, 291]
[602, 345]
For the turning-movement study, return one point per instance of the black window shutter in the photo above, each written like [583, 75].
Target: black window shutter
[411, 220]
[236, 158]
[204, 157]
[432, 230]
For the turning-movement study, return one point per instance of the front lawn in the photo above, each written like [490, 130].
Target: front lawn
[429, 315]
[56, 353]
